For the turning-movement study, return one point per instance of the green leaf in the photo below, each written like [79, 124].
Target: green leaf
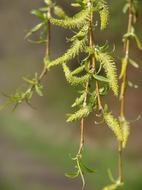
[58, 11]
[75, 5]
[35, 29]
[138, 42]
[39, 14]
[133, 63]
[104, 90]
[28, 81]
[38, 89]
[101, 78]
[123, 67]
[86, 169]
[135, 37]
[126, 7]
[111, 176]
[72, 175]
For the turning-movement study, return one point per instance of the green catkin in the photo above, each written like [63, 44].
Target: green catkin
[125, 131]
[110, 68]
[72, 22]
[78, 70]
[76, 48]
[113, 124]
[83, 112]
[79, 100]
[104, 13]
[73, 80]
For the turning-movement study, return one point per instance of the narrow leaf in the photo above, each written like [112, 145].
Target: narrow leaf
[123, 67]
[35, 29]
[72, 175]
[133, 63]
[39, 14]
[101, 78]
[86, 169]
[38, 89]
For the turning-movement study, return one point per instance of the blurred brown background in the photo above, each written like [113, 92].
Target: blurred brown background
[35, 143]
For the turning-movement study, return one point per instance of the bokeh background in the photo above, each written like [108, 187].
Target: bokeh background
[36, 144]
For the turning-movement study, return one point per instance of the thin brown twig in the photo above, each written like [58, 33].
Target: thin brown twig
[93, 68]
[123, 91]
[82, 131]
[93, 58]
[47, 51]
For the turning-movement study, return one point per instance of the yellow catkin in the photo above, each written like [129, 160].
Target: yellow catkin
[126, 131]
[113, 124]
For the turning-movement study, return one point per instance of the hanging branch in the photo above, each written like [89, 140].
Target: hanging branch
[91, 65]
[34, 85]
[131, 7]
[48, 42]
[123, 128]
[123, 88]
[95, 84]
[92, 57]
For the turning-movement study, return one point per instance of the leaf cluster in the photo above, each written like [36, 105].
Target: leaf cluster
[80, 169]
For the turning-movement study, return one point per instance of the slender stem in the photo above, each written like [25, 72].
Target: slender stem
[93, 67]
[123, 91]
[120, 163]
[47, 49]
[82, 131]
[92, 58]
[81, 136]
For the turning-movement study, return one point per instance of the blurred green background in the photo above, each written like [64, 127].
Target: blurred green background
[35, 144]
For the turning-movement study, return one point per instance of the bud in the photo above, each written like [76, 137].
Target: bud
[58, 11]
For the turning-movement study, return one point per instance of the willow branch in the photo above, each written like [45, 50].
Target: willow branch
[92, 58]
[123, 90]
[47, 51]
[82, 131]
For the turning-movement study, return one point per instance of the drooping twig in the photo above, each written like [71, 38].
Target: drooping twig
[123, 89]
